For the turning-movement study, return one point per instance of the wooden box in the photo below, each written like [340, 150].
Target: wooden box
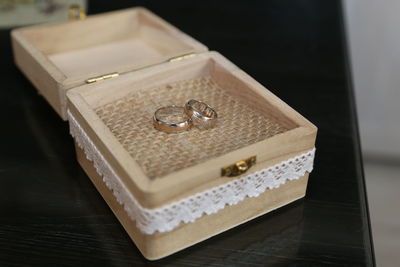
[107, 75]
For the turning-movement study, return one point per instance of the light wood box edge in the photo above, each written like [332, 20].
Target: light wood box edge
[153, 193]
[160, 245]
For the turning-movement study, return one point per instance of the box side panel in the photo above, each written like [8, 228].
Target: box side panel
[160, 245]
[28, 61]
[88, 134]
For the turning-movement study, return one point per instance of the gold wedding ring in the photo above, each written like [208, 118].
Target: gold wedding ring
[202, 115]
[171, 119]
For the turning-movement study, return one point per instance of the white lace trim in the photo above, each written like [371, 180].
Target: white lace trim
[168, 217]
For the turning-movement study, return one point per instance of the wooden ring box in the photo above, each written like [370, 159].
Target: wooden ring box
[109, 72]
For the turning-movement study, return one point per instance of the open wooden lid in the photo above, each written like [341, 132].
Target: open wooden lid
[118, 42]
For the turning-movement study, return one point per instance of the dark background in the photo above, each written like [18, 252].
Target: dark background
[52, 215]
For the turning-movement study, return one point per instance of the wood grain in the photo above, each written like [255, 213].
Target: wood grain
[60, 56]
[160, 245]
[188, 181]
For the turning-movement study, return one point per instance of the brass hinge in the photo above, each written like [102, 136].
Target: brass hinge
[116, 74]
[178, 58]
[239, 167]
[102, 77]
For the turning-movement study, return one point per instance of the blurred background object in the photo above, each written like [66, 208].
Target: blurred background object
[374, 45]
[26, 12]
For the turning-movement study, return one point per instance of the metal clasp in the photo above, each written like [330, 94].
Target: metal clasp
[239, 167]
[76, 12]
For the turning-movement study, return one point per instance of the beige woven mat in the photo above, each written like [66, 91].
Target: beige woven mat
[160, 153]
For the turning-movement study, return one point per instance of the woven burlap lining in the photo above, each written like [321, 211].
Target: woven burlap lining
[160, 153]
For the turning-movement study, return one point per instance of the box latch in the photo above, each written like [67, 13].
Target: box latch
[239, 167]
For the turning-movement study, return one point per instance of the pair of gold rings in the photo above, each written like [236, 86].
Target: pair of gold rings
[176, 118]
